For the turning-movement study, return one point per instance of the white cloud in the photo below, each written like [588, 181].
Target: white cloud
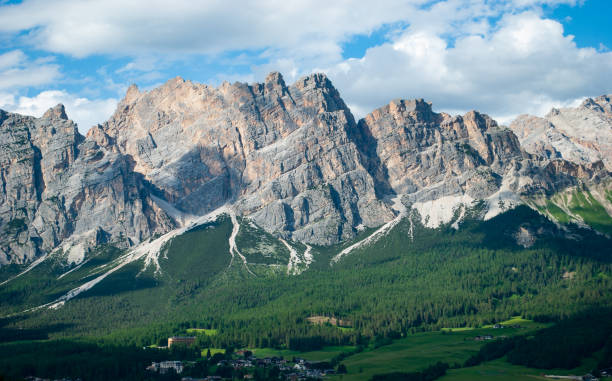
[305, 29]
[85, 112]
[10, 59]
[6, 100]
[502, 57]
[140, 27]
[17, 70]
[523, 63]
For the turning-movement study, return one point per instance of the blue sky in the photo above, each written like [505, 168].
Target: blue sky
[500, 57]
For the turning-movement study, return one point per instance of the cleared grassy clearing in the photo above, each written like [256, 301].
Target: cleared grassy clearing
[213, 351]
[498, 370]
[411, 354]
[204, 331]
[459, 329]
[325, 354]
[501, 370]
[516, 320]
[420, 350]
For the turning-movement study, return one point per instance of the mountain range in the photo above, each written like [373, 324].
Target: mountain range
[266, 217]
[293, 161]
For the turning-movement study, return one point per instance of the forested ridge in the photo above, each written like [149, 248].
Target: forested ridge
[414, 279]
[441, 278]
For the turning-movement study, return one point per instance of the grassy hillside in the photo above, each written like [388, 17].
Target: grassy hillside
[51, 279]
[590, 206]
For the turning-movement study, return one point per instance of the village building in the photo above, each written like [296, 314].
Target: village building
[181, 340]
[165, 366]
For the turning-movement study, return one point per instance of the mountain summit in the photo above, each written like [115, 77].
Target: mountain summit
[290, 158]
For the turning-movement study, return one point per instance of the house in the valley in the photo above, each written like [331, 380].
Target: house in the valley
[181, 340]
[165, 366]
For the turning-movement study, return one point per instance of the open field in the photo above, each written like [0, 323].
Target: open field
[416, 352]
[501, 370]
[411, 354]
[203, 331]
[516, 320]
[460, 329]
[325, 354]
[213, 351]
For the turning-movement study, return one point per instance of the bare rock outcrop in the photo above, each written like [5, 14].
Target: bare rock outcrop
[581, 135]
[290, 157]
[441, 163]
[283, 154]
[54, 185]
[417, 148]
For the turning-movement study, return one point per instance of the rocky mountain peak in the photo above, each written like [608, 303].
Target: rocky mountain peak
[602, 104]
[402, 109]
[580, 134]
[413, 105]
[270, 148]
[481, 121]
[275, 83]
[418, 149]
[315, 80]
[56, 112]
[132, 94]
[97, 135]
[290, 157]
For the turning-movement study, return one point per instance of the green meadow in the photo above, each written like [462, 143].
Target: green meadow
[324, 354]
[203, 331]
[415, 352]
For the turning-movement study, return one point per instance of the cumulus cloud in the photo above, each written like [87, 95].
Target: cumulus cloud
[17, 70]
[18, 73]
[523, 63]
[85, 112]
[154, 26]
[502, 57]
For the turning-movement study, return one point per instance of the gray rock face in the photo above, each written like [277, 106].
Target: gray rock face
[438, 162]
[417, 148]
[581, 135]
[283, 154]
[292, 158]
[55, 185]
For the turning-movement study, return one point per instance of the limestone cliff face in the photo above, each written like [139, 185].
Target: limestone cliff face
[56, 185]
[438, 162]
[290, 157]
[283, 154]
[418, 148]
[581, 135]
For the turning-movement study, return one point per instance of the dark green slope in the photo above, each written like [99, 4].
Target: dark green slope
[414, 278]
[45, 283]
